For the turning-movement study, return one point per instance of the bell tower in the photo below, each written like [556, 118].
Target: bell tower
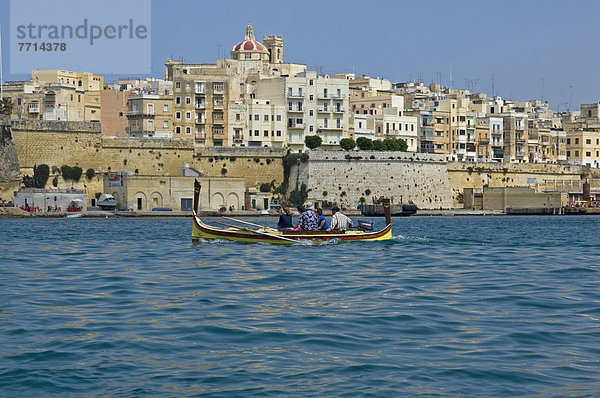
[274, 45]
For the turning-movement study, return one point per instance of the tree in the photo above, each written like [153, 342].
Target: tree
[265, 187]
[90, 173]
[67, 172]
[364, 143]
[347, 144]
[6, 106]
[313, 141]
[377, 145]
[77, 172]
[399, 144]
[40, 175]
[28, 181]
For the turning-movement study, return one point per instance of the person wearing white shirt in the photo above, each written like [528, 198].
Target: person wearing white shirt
[339, 221]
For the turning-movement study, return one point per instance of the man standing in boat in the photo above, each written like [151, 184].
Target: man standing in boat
[339, 221]
[308, 220]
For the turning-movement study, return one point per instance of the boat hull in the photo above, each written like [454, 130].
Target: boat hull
[204, 231]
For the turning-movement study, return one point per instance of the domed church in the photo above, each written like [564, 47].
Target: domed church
[249, 48]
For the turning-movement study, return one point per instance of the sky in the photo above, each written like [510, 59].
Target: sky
[519, 50]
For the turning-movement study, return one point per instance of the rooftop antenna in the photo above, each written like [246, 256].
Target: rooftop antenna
[543, 81]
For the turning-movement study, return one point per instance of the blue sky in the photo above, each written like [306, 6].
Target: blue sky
[528, 49]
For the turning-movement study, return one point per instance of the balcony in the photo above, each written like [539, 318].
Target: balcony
[296, 95]
[218, 104]
[200, 105]
[140, 113]
[295, 110]
[322, 127]
[341, 109]
[238, 138]
[323, 110]
[520, 127]
[520, 154]
[34, 107]
[296, 126]
[218, 88]
[337, 96]
[200, 89]
[201, 136]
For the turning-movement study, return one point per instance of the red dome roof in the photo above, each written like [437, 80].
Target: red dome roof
[249, 43]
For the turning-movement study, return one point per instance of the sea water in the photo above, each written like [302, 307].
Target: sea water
[452, 306]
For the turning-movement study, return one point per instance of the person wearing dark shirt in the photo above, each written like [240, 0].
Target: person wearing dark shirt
[285, 220]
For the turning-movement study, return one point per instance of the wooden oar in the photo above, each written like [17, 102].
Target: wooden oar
[256, 232]
[245, 222]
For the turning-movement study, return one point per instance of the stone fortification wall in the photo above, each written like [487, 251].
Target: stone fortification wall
[9, 163]
[82, 144]
[345, 177]
[480, 175]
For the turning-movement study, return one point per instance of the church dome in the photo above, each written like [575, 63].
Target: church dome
[250, 47]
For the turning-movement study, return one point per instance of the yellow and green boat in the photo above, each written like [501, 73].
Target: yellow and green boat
[262, 234]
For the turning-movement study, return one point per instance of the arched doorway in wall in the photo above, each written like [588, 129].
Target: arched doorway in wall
[141, 202]
[217, 201]
[157, 199]
[233, 200]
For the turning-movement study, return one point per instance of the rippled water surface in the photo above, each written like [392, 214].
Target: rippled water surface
[452, 306]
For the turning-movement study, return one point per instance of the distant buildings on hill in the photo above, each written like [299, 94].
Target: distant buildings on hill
[255, 99]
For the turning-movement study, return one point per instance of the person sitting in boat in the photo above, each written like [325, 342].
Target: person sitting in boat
[322, 221]
[308, 220]
[339, 221]
[285, 220]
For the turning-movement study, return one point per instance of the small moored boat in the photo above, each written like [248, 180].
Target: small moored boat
[262, 234]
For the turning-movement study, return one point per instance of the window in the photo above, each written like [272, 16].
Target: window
[576, 153]
[150, 124]
[178, 130]
[568, 153]
[325, 106]
[250, 117]
[266, 118]
[325, 122]
[187, 86]
[150, 108]
[325, 92]
[300, 92]
[237, 116]
[188, 100]
[278, 118]
[266, 133]
[339, 93]
[278, 133]
[257, 117]
[178, 100]
[188, 115]
[310, 112]
[178, 115]
[290, 106]
[310, 82]
[310, 128]
[178, 85]
[166, 124]
[360, 125]
[299, 105]
[338, 123]
[588, 154]
[576, 142]
[188, 130]
[311, 97]
[568, 141]
[289, 91]
[166, 108]
[588, 141]
[256, 133]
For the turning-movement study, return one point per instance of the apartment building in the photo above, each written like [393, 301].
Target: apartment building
[313, 105]
[150, 112]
